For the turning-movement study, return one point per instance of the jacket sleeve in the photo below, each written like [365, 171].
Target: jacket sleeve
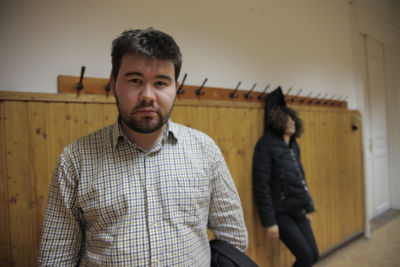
[309, 207]
[262, 174]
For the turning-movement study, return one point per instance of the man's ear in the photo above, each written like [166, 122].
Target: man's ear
[177, 86]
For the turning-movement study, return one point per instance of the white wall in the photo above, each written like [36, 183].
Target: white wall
[301, 44]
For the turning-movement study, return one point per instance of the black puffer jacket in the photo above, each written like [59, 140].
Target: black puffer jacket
[278, 178]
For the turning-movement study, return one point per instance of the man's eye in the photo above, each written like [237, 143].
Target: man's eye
[136, 81]
[161, 84]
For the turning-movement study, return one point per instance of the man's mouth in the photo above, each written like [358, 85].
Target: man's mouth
[145, 111]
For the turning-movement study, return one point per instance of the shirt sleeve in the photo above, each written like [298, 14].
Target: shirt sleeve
[62, 228]
[226, 218]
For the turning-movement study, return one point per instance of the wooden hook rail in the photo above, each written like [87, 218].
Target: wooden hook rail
[98, 86]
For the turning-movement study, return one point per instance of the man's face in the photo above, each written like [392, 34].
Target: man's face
[145, 92]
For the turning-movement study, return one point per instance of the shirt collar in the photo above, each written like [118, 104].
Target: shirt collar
[171, 133]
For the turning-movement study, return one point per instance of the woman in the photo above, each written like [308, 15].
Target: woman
[281, 192]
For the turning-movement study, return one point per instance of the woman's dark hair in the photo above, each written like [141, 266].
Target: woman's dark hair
[277, 120]
[148, 43]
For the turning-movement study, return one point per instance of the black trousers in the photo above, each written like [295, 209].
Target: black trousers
[297, 235]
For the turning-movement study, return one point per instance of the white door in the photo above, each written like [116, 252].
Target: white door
[378, 127]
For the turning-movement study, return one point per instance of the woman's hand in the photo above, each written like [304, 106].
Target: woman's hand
[273, 231]
[309, 218]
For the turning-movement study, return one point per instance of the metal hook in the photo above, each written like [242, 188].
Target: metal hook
[294, 98]
[337, 101]
[330, 99]
[287, 93]
[79, 85]
[107, 87]
[198, 91]
[319, 101]
[249, 92]
[344, 100]
[308, 96]
[311, 100]
[263, 93]
[180, 91]
[232, 94]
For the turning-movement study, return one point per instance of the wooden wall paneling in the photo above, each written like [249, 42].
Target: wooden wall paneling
[326, 155]
[59, 135]
[343, 178]
[314, 179]
[5, 242]
[110, 113]
[19, 185]
[336, 178]
[178, 115]
[352, 169]
[38, 131]
[257, 237]
[330, 154]
[77, 120]
[323, 170]
[335, 181]
[216, 117]
[95, 117]
[308, 158]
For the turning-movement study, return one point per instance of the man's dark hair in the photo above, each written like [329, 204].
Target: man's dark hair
[277, 121]
[148, 43]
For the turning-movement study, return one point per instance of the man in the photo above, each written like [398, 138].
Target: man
[142, 191]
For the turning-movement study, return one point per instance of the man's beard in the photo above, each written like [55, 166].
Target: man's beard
[143, 125]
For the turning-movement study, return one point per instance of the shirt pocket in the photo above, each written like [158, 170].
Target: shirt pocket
[190, 199]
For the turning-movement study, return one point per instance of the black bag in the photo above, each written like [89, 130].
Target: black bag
[224, 254]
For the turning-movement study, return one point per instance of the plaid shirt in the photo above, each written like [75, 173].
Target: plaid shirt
[113, 204]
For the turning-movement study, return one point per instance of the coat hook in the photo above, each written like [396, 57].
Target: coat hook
[107, 87]
[319, 100]
[79, 85]
[312, 100]
[180, 91]
[344, 100]
[198, 91]
[337, 101]
[329, 99]
[294, 98]
[249, 92]
[287, 93]
[232, 94]
[263, 93]
[308, 96]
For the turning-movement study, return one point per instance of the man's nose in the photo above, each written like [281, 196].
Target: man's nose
[147, 93]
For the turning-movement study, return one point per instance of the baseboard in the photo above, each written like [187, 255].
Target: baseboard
[341, 244]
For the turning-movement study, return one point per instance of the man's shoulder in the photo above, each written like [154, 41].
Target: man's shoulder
[188, 133]
[93, 140]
